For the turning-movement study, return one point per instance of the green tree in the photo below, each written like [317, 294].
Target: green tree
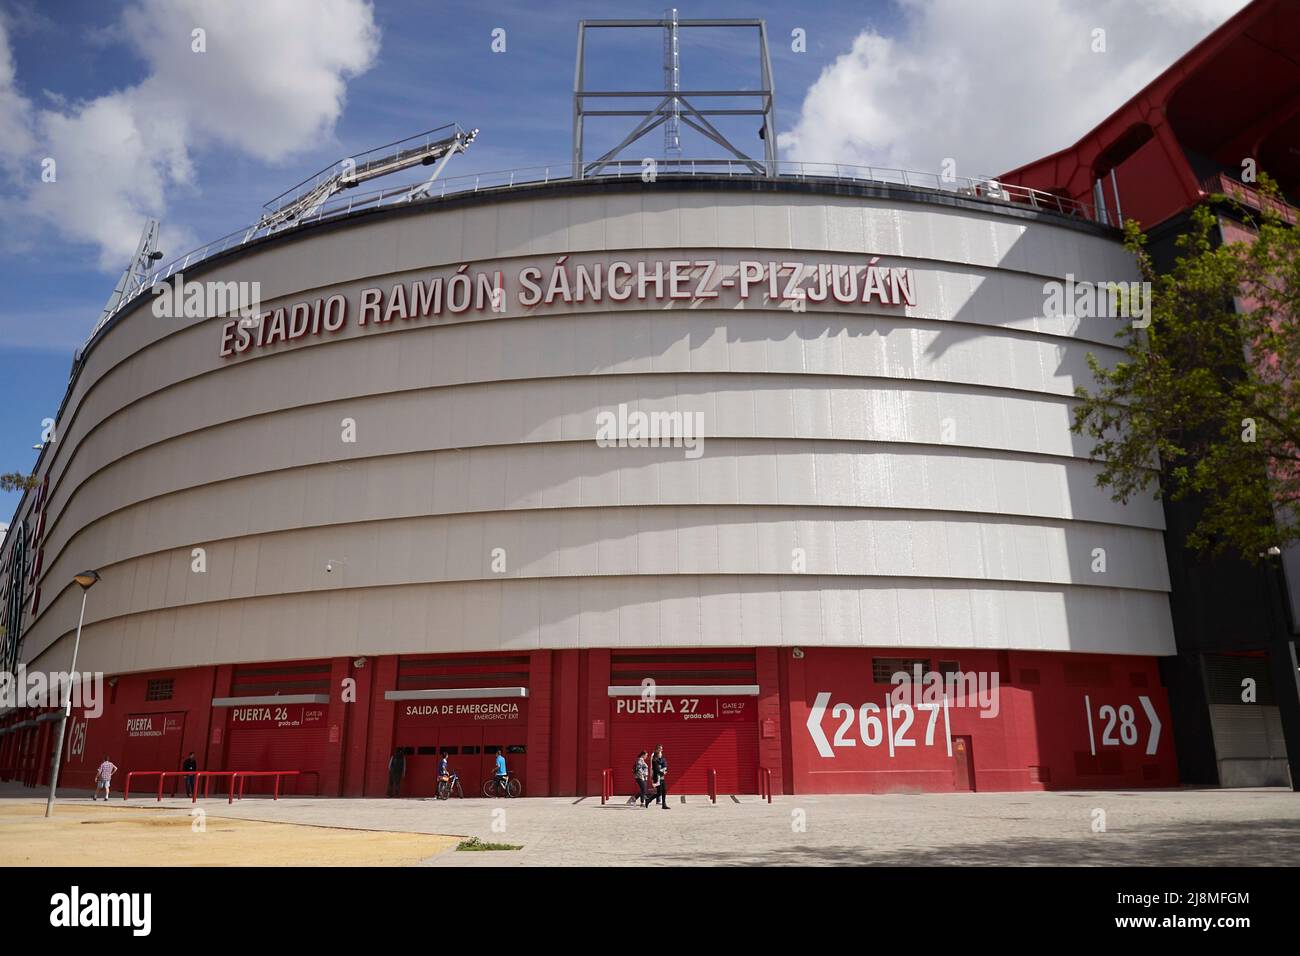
[17, 481]
[1205, 404]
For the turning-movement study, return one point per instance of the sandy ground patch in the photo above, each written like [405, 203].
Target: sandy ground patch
[94, 834]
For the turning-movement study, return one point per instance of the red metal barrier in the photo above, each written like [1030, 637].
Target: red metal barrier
[713, 785]
[126, 791]
[162, 776]
[162, 780]
[765, 783]
[242, 777]
[606, 786]
[314, 773]
[207, 776]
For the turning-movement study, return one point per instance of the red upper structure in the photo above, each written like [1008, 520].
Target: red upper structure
[1234, 96]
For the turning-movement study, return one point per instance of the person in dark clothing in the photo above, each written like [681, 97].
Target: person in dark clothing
[659, 768]
[396, 770]
[189, 764]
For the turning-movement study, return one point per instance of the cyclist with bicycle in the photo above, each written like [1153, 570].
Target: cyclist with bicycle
[502, 775]
[448, 781]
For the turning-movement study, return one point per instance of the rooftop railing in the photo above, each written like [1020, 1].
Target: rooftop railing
[349, 202]
[1248, 195]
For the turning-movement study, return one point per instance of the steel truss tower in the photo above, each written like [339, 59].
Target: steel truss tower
[669, 106]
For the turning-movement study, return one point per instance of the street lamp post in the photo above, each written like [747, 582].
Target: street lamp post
[87, 580]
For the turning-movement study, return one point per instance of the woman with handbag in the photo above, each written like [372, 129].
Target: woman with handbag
[641, 772]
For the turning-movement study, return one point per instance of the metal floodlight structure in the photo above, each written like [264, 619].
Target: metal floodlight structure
[433, 148]
[672, 105]
[137, 272]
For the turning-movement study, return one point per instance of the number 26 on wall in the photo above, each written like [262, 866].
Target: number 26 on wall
[895, 728]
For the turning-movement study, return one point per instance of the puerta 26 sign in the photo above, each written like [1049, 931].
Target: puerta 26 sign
[774, 282]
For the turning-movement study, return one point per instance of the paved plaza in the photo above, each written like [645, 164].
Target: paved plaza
[1183, 827]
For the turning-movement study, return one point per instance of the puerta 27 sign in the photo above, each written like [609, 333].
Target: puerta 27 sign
[690, 710]
[773, 283]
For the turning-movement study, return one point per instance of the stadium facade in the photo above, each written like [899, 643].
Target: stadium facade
[383, 514]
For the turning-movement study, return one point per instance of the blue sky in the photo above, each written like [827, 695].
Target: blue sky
[882, 82]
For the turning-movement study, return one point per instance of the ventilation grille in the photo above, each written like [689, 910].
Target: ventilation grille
[1225, 675]
[1087, 674]
[1102, 765]
[884, 668]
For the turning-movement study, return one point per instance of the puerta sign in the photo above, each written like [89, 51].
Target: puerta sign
[685, 709]
[153, 725]
[278, 715]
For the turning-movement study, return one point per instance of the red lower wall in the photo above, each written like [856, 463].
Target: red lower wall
[819, 723]
[1034, 733]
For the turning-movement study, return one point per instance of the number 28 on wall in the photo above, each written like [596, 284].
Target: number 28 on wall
[1112, 725]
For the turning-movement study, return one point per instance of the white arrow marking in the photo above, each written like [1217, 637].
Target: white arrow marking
[815, 724]
[1154, 740]
[947, 727]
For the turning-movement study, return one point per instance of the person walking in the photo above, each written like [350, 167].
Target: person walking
[396, 771]
[501, 775]
[190, 765]
[104, 777]
[642, 774]
[659, 768]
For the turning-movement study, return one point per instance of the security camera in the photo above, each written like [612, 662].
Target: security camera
[359, 662]
[329, 566]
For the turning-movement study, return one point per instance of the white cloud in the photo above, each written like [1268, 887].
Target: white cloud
[271, 82]
[992, 84]
[15, 110]
[273, 77]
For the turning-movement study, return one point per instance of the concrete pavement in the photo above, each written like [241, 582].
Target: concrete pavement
[1163, 827]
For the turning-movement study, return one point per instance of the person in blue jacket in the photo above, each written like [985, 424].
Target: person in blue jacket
[501, 774]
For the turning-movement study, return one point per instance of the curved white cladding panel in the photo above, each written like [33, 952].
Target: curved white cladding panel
[879, 475]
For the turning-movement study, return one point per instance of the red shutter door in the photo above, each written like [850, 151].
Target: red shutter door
[301, 749]
[692, 751]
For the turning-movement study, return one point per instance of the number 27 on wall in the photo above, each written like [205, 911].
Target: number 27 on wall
[894, 729]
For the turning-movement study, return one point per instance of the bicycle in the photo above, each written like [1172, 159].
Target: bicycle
[513, 787]
[449, 786]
